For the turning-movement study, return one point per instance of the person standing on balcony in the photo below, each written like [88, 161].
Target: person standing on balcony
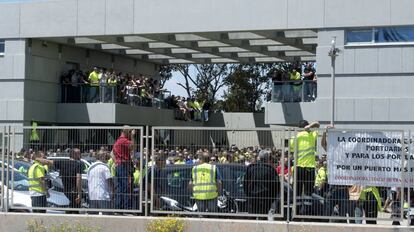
[123, 150]
[309, 85]
[93, 79]
[296, 84]
[112, 88]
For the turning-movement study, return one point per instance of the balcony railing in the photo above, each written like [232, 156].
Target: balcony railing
[86, 93]
[294, 91]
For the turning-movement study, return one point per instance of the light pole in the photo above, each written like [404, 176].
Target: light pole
[333, 53]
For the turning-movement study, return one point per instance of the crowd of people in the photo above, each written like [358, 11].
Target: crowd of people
[115, 177]
[299, 84]
[107, 85]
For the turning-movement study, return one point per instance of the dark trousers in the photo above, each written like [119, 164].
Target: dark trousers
[39, 201]
[207, 205]
[259, 205]
[370, 207]
[123, 190]
[72, 195]
[100, 204]
[305, 181]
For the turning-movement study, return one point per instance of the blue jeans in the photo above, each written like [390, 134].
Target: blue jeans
[123, 190]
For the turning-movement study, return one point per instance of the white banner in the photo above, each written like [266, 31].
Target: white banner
[368, 159]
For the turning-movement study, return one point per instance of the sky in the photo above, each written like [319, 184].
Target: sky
[172, 86]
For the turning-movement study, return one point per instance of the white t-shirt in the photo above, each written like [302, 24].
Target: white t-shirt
[98, 187]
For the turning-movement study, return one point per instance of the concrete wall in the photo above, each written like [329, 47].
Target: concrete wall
[19, 222]
[12, 75]
[45, 66]
[30, 77]
[109, 17]
[373, 86]
[108, 113]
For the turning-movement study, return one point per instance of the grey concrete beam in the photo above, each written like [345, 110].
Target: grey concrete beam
[279, 36]
[245, 43]
[170, 38]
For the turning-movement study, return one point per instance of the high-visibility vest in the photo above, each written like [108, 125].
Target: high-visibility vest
[321, 176]
[294, 76]
[306, 145]
[375, 192]
[34, 136]
[112, 82]
[111, 165]
[36, 172]
[179, 162]
[204, 182]
[94, 78]
[137, 177]
[22, 170]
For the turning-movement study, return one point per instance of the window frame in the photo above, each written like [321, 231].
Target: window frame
[3, 42]
[374, 41]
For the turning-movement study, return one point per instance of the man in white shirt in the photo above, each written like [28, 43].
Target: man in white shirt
[100, 184]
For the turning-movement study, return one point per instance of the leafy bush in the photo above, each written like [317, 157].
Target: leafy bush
[39, 226]
[166, 225]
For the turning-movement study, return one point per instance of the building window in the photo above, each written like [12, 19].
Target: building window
[381, 35]
[1, 46]
[394, 34]
[359, 36]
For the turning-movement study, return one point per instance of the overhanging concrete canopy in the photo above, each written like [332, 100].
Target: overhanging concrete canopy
[206, 47]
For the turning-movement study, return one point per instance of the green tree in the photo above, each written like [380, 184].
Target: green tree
[203, 81]
[165, 73]
[248, 84]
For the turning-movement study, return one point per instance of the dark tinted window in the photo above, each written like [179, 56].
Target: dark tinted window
[1, 45]
[359, 36]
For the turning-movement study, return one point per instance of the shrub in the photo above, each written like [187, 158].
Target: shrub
[39, 226]
[166, 225]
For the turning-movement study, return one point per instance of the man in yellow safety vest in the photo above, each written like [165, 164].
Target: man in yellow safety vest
[205, 184]
[305, 161]
[94, 78]
[37, 183]
[34, 137]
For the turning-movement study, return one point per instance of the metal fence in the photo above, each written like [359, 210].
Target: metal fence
[68, 176]
[161, 177]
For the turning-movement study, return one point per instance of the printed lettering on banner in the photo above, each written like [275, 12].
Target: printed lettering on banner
[373, 158]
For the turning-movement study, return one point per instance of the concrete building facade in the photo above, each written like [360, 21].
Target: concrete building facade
[41, 38]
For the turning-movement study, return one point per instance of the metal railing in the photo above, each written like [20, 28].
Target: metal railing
[107, 93]
[248, 183]
[294, 91]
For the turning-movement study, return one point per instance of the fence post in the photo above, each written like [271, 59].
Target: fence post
[13, 153]
[410, 184]
[295, 174]
[288, 191]
[146, 167]
[7, 169]
[3, 137]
